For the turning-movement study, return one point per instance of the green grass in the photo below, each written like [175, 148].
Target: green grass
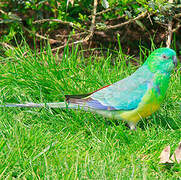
[72, 144]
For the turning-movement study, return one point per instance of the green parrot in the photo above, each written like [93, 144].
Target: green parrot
[130, 99]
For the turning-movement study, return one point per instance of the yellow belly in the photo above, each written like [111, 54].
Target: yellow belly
[150, 103]
[141, 112]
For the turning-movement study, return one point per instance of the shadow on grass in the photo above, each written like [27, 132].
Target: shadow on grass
[159, 120]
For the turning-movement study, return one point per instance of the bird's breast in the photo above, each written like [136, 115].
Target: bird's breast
[149, 104]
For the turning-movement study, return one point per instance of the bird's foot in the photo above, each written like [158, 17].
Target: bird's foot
[132, 126]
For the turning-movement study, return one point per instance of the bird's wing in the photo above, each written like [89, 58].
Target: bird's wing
[122, 95]
[119, 97]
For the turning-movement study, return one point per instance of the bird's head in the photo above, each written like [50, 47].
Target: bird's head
[162, 60]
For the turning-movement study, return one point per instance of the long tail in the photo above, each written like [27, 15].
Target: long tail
[69, 103]
[48, 105]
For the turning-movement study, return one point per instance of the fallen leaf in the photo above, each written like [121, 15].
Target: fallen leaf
[71, 1]
[165, 156]
[176, 157]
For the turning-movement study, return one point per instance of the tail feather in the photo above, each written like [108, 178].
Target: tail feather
[80, 96]
[80, 100]
[35, 105]
[71, 102]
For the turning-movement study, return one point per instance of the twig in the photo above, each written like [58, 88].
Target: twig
[72, 35]
[168, 43]
[88, 36]
[150, 19]
[177, 27]
[3, 12]
[118, 18]
[52, 41]
[162, 24]
[10, 47]
[6, 45]
[63, 46]
[104, 11]
[127, 22]
[59, 21]
[70, 44]
[92, 27]
[54, 20]
[101, 12]
[177, 15]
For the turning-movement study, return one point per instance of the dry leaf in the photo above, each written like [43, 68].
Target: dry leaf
[71, 1]
[165, 156]
[176, 157]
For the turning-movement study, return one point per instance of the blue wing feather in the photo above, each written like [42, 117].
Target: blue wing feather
[97, 105]
[125, 94]
[122, 95]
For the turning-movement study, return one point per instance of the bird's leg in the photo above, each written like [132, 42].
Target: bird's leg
[132, 126]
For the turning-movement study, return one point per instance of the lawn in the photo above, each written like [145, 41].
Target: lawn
[72, 144]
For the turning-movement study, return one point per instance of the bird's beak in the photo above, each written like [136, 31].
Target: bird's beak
[174, 60]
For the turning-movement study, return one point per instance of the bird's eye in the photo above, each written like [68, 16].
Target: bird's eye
[164, 56]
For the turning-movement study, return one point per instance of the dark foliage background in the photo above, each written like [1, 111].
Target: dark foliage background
[92, 23]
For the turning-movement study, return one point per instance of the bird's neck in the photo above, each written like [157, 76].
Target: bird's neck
[162, 81]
